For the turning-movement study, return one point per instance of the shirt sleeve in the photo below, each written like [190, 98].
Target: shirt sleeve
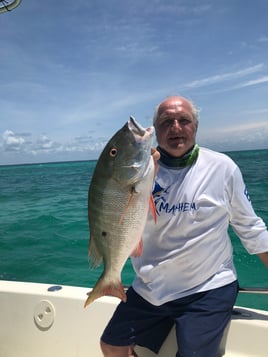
[250, 228]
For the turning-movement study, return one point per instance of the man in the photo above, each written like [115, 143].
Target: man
[186, 274]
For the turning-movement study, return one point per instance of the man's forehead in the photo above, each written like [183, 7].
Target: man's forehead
[174, 106]
[171, 110]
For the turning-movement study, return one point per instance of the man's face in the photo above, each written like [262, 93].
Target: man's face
[176, 126]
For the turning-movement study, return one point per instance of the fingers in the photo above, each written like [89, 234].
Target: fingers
[155, 153]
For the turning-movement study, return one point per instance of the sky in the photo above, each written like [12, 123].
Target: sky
[73, 71]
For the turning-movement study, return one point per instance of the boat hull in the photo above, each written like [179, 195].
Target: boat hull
[43, 320]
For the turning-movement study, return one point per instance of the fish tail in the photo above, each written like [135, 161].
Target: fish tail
[104, 288]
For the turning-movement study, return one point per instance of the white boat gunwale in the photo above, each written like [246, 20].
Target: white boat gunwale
[44, 320]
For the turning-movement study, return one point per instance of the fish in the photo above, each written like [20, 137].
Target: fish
[119, 199]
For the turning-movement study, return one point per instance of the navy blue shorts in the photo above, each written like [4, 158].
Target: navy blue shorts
[200, 321]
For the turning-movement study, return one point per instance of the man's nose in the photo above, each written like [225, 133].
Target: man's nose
[176, 124]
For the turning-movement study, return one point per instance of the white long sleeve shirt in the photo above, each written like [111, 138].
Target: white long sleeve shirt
[188, 249]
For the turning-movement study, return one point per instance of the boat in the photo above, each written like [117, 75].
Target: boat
[43, 320]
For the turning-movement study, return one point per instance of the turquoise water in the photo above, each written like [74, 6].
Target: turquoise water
[44, 230]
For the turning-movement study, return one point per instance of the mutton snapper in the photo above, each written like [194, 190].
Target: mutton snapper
[119, 198]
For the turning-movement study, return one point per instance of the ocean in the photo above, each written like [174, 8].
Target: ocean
[44, 229]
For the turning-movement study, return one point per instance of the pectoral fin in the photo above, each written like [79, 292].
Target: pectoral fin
[152, 207]
[137, 252]
[131, 196]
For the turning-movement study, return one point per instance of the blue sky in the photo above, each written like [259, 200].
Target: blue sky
[72, 74]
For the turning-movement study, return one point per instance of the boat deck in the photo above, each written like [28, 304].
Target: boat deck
[41, 320]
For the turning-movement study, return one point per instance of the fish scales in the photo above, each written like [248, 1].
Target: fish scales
[118, 203]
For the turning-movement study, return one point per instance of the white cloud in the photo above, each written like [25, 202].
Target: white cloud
[246, 136]
[41, 149]
[253, 82]
[84, 72]
[225, 76]
[263, 125]
[263, 39]
[11, 141]
[44, 143]
[257, 111]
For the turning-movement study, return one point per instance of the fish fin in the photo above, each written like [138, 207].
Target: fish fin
[132, 193]
[94, 256]
[103, 288]
[137, 252]
[152, 207]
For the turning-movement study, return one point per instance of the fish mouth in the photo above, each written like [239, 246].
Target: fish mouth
[137, 129]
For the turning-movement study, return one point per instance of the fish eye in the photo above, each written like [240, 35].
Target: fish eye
[113, 152]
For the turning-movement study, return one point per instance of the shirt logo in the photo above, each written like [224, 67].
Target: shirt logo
[162, 204]
[247, 194]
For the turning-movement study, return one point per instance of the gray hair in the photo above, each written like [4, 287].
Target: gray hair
[195, 111]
